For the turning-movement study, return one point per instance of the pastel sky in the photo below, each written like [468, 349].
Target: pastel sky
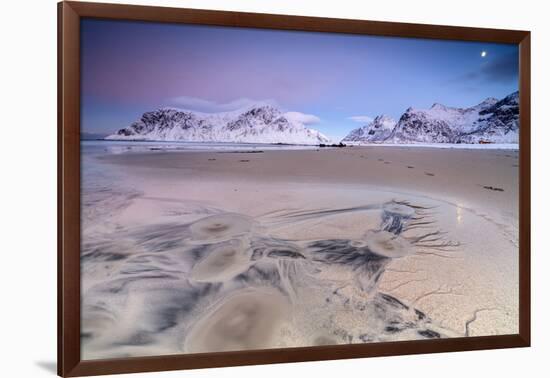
[340, 80]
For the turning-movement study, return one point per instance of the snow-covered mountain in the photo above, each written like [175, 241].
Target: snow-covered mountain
[257, 124]
[492, 121]
[378, 130]
[498, 123]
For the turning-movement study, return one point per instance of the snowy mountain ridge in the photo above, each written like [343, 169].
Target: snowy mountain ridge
[491, 121]
[261, 123]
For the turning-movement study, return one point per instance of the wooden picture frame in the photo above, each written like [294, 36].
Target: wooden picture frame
[69, 16]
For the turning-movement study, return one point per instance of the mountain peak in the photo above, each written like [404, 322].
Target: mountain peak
[437, 105]
[489, 101]
[382, 118]
[376, 130]
[260, 108]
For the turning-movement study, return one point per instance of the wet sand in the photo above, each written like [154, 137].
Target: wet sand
[211, 251]
[453, 174]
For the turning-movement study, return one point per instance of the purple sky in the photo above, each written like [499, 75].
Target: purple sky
[132, 67]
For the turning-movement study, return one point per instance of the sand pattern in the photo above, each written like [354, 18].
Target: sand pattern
[191, 275]
[223, 283]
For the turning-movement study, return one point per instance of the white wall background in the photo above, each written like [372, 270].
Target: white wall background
[28, 186]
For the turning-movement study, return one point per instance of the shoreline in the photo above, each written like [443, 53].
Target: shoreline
[282, 146]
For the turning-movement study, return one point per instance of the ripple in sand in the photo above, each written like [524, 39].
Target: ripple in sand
[224, 261]
[221, 227]
[247, 320]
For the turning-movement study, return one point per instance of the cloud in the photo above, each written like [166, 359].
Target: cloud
[306, 119]
[502, 69]
[207, 106]
[361, 118]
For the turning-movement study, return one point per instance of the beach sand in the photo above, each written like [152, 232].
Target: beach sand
[188, 252]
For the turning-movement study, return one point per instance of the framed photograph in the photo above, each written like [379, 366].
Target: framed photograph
[240, 188]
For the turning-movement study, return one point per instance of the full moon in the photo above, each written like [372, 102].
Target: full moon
[483, 54]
